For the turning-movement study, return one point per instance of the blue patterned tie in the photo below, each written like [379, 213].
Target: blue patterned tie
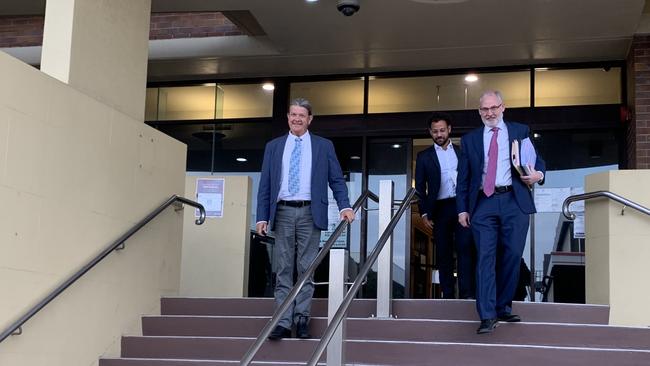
[294, 167]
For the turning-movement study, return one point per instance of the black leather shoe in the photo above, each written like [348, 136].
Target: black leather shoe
[487, 326]
[509, 318]
[302, 328]
[280, 332]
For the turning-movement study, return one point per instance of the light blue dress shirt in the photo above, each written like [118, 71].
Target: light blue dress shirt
[503, 178]
[304, 191]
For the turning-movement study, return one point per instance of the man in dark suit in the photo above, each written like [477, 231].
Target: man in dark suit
[435, 181]
[495, 203]
[292, 201]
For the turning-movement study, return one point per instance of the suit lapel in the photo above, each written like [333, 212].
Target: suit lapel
[481, 148]
[434, 157]
[315, 149]
[511, 137]
[277, 162]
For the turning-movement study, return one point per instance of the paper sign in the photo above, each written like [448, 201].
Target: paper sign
[209, 193]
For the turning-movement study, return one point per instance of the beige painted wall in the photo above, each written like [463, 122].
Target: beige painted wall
[617, 247]
[75, 174]
[215, 254]
[100, 47]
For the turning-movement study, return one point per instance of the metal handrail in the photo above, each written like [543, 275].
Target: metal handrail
[16, 327]
[363, 272]
[250, 354]
[613, 196]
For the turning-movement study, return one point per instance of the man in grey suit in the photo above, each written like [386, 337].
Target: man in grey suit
[292, 201]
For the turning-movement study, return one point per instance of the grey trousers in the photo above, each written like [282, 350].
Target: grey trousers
[295, 234]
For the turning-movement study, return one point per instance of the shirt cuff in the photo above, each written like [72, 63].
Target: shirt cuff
[464, 212]
[424, 215]
[345, 209]
[259, 222]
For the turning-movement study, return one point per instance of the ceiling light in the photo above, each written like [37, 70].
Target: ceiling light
[470, 78]
[268, 86]
[536, 135]
[241, 160]
[355, 157]
[541, 69]
[396, 146]
[311, 1]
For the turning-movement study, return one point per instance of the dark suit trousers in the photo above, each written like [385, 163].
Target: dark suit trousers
[447, 232]
[500, 228]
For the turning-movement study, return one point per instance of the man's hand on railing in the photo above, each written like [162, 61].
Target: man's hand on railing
[347, 215]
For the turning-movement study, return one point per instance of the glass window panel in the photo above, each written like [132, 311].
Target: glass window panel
[243, 101]
[187, 102]
[577, 87]
[331, 97]
[151, 105]
[445, 92]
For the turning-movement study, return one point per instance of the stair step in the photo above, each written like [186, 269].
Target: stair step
[378, 352]
[172, 362]
[402, 308]
[526, 333]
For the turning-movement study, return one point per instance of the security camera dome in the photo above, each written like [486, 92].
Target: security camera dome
[348, 7]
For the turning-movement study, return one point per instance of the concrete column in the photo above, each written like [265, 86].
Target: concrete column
[616, 247]
[100, 47]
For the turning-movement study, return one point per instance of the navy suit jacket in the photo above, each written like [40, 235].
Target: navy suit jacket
[470, 170]
[427, 179]
[325, 169]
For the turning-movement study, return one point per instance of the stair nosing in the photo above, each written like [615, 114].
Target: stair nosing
[562, 324]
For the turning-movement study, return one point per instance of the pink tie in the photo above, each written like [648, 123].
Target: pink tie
[493, 155]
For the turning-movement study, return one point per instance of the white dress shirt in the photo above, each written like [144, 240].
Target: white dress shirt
[448, 171]
[304, 190]
[503, 178]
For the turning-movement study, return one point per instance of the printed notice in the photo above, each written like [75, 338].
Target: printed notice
[209, 193]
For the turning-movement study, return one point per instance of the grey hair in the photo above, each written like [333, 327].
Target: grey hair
[301, 102]
[495, 93]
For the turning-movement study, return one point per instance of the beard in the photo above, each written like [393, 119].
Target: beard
[441, 141]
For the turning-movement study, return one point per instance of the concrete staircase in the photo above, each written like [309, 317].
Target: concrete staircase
[210, 332]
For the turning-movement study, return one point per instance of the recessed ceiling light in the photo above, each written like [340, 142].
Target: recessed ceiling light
[268, 86]
[241, 160]
[355, 157]
[396, 146]
[470, 78]
[536, 135]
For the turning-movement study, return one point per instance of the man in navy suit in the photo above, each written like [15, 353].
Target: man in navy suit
[292, 201]
[435, 181]
[495, 203]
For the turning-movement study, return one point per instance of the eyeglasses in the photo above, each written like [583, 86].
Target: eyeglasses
[492, 109]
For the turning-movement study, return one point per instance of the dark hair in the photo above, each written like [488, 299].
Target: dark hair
[302, 102]
[438, 116]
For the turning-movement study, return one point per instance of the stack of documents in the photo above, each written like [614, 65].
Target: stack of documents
[524, 158]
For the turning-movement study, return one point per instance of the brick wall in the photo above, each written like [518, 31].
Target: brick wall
[639, 130]
[191, 25]
[23, 31]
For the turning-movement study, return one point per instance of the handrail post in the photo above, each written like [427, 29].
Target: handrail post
[337, 273]
[385, 261]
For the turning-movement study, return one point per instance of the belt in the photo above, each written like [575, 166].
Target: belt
[294, 203]
[502, 189]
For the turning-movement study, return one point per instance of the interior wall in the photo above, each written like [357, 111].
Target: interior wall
[215, 254]
[75, 174]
